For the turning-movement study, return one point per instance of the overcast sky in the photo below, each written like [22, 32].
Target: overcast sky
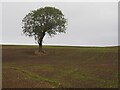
[89, 23]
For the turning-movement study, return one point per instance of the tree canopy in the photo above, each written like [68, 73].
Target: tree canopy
[47, 20]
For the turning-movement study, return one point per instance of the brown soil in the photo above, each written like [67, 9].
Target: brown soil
[41, 53]
[59, 67]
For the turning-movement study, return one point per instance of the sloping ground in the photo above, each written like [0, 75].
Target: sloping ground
[67, 67]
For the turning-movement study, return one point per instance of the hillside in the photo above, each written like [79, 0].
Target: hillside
[68, 67]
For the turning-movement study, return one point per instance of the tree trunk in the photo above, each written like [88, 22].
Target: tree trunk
[40, 46]
[40, 42]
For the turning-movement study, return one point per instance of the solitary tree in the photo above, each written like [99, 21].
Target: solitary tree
[47, 20]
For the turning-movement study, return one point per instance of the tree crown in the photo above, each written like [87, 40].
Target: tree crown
[47, 20]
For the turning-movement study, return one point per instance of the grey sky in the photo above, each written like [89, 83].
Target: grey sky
[89, 23]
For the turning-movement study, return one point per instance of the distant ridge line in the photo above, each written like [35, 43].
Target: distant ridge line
[56, 45]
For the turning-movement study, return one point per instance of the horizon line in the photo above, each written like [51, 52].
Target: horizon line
[59, 45]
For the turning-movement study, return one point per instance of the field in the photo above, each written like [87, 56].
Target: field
[62, 67]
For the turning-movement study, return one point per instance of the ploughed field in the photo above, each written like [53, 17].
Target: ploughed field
[62, 67]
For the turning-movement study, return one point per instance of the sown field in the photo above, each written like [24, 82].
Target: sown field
[62, 67]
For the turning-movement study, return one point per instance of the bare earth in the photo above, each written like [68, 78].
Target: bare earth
[62, 67]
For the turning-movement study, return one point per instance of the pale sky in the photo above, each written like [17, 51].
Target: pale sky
[89, 23]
